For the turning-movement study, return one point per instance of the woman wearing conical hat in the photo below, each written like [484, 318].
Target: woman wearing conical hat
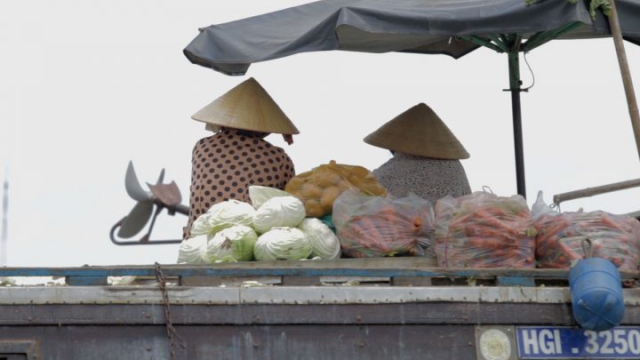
[426, 156]
[237, 155]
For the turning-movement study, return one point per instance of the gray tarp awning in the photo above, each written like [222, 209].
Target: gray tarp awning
[378, 26]
[451, 27]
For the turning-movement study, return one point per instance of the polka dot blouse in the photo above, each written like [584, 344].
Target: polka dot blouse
[225, 164]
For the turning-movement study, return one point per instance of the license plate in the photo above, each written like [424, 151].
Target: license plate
[549, 342]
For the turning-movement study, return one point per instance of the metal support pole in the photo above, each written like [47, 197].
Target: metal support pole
[515, 89]
[577, 194]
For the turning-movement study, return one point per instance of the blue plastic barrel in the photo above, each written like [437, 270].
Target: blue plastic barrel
[596, 294]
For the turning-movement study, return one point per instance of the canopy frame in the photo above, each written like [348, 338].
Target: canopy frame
[513, 45]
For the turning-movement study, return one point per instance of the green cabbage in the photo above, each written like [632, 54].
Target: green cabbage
[326, 244]
[283, 243]
[283, 211]
[260, 194]
[190, 251]
[232, 244]
[223, 215]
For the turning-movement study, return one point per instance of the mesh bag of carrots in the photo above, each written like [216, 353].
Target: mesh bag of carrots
[614, 237]
[320, 187]
[483, 230]
[376, 226]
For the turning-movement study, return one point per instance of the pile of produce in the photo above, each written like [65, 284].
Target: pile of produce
[273, 227]
[320, 187]
[354, 217]
[483, 230]
[561, 238]
[374, 226]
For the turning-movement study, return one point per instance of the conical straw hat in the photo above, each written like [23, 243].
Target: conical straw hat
[418, 131]
[247, 106]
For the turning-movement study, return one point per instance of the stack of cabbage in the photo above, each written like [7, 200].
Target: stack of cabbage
[273, 227]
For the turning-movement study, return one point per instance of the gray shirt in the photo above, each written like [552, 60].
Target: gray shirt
[428, 178]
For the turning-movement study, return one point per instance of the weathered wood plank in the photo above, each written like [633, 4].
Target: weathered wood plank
[331, 342]
[515, 280]
[376, 267]
[86, 280]
[301, 281]
[453, 313]
[228, 281]
[411, 281]
[413, 271]
[184, 295]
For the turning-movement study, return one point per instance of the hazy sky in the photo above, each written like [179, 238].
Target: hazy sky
[86, 86]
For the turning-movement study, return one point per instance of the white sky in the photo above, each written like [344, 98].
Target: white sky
[86, 86]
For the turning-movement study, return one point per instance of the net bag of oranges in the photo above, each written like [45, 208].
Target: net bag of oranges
[483, 230]
[320, 187]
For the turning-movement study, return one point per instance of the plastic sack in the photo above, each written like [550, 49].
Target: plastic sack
[223, 215]
[284, 243]
[284, 211]
[319, 187]
[540, 208]
[324, 241]
[232, 244]
[613, 237]
[190, 251]
[375, 226]
[260, 194]
[483, 230]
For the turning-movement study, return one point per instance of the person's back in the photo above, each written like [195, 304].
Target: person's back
[226, 164]
[428, 178]
[425, 156]
[237, 156]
